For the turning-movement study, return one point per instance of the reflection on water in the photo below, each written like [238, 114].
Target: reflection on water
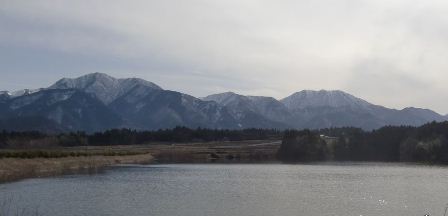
[265, 189]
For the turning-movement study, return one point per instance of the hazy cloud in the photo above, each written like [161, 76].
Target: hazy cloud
[389, 52]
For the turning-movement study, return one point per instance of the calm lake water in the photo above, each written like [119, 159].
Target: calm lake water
[237, 190]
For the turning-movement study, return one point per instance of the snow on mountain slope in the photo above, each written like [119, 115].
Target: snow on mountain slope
[424, 115]
[18, 93]
[103, 86]
[4, 95]
[271, 108]
[236, 102]
[71, 108]
[167, 109]
[50, 98]
[323, 98]
[252, 103]
[259, 106]
[98, 101]
[320, 109]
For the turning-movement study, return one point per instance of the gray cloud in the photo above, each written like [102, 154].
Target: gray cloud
[253, 46]
[380, 81]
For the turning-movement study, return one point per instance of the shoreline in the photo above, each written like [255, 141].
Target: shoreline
[35, 163]
[15, 169]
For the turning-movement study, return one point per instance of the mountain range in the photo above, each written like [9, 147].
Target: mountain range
[97, 101]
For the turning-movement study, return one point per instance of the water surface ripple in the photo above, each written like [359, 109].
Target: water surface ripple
[238, 190]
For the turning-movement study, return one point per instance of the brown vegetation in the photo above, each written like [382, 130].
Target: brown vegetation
[18, 164]
[12, 169]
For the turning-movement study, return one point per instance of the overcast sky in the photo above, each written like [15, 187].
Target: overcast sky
[389, 52]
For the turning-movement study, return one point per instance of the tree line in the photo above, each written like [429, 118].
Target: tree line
[427, 143]
[132, 137]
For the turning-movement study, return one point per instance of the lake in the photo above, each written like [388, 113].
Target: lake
[344, 189]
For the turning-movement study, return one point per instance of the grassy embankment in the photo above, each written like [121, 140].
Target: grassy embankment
[21, 164]
[16, 164]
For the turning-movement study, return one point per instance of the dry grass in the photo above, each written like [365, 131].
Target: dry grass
[12, 169]
[18, 164]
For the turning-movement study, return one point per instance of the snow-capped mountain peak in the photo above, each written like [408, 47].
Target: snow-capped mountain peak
[19, 93]
[24, 92]
[225, 98]
[6, 93]
[323, 98]
[267, 107]
[425, 114]
[106, 88]
[98, 101]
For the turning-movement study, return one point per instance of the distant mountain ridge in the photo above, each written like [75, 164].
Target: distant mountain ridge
[7, 94]
[103, 86]
[266, 107]
[325, 109]
[69, 108]
[312, 99]
[97, 101]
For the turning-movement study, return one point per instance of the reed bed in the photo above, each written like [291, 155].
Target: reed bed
[16, 168]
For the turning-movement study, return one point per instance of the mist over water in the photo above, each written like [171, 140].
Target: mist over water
[223, 190]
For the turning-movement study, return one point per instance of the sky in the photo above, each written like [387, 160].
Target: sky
[389, 52]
